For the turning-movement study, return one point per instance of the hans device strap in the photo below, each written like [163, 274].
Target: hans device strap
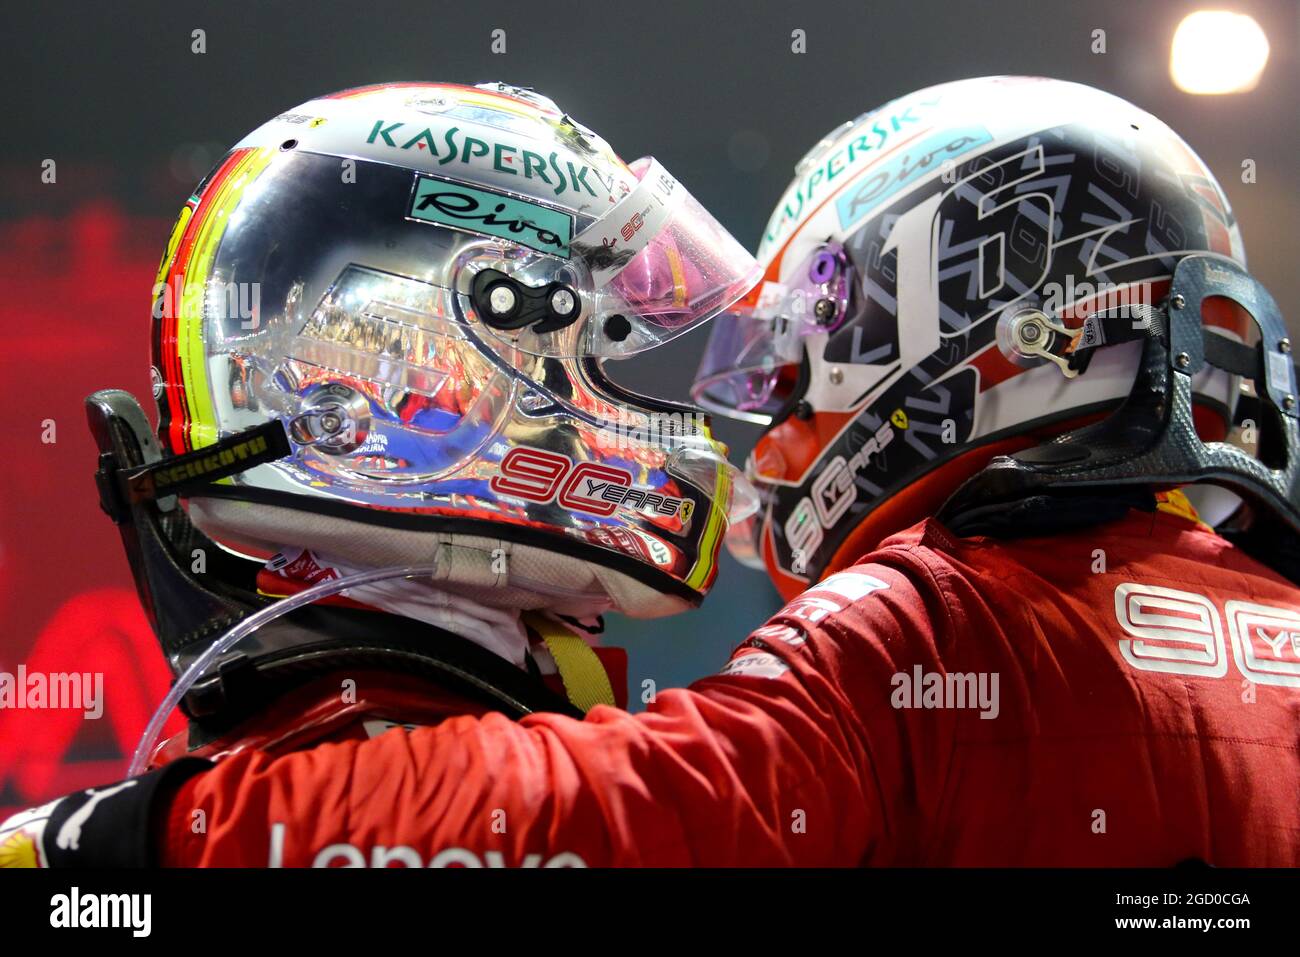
[156, 480]
[1150, 442]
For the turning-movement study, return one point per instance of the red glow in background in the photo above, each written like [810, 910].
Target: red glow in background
[66, 596]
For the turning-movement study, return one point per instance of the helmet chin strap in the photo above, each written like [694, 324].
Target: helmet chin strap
[1150, 442]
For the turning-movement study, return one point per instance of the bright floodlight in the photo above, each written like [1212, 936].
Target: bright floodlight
[1215, 51]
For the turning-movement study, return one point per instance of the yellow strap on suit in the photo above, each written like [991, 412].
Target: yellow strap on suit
[586, 682]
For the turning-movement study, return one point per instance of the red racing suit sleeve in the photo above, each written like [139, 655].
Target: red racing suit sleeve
[791, 756]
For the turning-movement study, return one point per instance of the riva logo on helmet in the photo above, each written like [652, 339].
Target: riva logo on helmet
[492, 214]
[541, 476]
[906, 168]
[883, 132]
[470, 151]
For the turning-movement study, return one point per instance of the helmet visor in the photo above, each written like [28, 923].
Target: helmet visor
[750, 366]
[653, 267]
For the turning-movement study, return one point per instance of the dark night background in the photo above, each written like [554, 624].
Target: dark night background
[133, 118]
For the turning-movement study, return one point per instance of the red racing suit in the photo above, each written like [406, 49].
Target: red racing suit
[1145, 711]
[1126, 695]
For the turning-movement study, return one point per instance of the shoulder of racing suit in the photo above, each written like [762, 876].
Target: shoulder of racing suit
[1109, 695]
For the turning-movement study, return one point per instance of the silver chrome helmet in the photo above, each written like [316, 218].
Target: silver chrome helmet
[421, 282]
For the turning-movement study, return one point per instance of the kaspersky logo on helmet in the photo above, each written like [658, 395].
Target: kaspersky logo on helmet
[452, 145]
[837, 163]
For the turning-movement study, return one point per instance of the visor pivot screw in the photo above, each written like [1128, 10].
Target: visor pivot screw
[836, 375]
[1288, 402]
[563, 302]
[334, 420]
[1178, 301]
[1182, 360]
[617, 328]
[824, 310]
[502, 300]
[1284, 346]
[1030, 332]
